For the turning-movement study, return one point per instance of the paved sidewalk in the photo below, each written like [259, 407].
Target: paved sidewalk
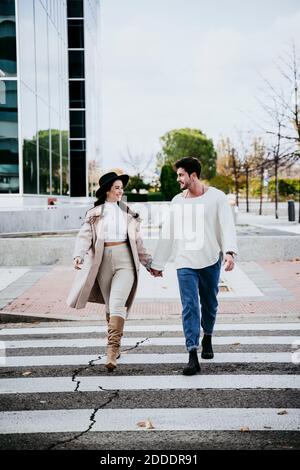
[266, 289]
[269, 222]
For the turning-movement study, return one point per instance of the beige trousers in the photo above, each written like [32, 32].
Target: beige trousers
[115, 278]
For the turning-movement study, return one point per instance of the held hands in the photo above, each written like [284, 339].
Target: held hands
[155, 272]
[228, 262]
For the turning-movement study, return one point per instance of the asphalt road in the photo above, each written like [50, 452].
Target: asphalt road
[233, 404]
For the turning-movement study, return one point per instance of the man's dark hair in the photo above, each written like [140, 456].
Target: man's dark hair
[190, 165]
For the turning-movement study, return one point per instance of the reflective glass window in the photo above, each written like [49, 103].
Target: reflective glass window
[75, 8]
[77, 124]
[78, 168]
[43, 145]
[55, 152]
[9, 156]
[45, 3]
[41, 43]
[54, 67]
[8, 61]
[29, 143]
[65, 162]
[77, 94]
[76, 64]
[75, 34]
[27, 48]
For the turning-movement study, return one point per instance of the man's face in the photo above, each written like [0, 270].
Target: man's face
[183, 179]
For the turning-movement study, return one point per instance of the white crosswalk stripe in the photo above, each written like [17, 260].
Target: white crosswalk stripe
[163, 358]
[225, 419]
[62, 330]
[149, 378]
[162, 382]
[165, 341]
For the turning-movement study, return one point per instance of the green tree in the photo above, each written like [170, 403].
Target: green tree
[137, 183]
[168, 182]
[180, 143]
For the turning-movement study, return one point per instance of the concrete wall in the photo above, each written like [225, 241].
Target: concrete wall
[69, 217]
[64, 217]
[54, 218]
[33, 251]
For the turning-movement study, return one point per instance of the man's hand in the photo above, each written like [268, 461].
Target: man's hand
[228, 262]
[77, 262]
[155, 272]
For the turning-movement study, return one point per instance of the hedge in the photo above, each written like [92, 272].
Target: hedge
[149, 197]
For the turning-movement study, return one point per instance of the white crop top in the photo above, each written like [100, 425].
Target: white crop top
[114, 223]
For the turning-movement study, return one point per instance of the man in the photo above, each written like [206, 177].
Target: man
[200, 228]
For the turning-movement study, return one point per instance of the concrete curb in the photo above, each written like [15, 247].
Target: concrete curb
[35, 251]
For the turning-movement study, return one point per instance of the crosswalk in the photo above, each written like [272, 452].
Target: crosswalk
[55, 391]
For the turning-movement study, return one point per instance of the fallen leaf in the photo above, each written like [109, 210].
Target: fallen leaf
[236, 344]
[283, 412]
[267, 427]
[141, 424]
[145, 424]
[149, 425]
[27, 373]
[245, 429]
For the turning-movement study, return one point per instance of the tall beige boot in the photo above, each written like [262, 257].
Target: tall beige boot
[115, 333]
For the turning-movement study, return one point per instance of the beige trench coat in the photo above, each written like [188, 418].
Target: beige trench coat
[90, 246]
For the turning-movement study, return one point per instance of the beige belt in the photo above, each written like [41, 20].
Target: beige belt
[114, 243]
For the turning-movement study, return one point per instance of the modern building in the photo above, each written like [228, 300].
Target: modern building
[49, 99]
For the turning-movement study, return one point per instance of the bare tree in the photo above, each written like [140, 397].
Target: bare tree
[248, 160]
[289, 98]
[230, 164]
[260, 159]
[137, 163]
[285, 110]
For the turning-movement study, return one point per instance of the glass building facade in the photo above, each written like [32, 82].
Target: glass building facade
[84, 92]
[45, 49]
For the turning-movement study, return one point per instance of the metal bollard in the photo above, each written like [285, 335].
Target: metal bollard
[291, 211]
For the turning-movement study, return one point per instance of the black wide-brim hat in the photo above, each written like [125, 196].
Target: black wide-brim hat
[106, 181]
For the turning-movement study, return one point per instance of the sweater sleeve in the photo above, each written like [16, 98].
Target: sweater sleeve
[165, 243]
[144, 257]
[227, 226]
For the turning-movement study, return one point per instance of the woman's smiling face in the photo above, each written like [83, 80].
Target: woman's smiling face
[116, 192]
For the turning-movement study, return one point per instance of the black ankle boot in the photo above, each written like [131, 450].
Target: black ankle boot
[193, 366]
[207, 350]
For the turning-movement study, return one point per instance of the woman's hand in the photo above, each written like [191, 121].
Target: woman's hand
[77, 262]
[155, 272]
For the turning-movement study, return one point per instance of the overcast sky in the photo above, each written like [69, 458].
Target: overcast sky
[186, 63]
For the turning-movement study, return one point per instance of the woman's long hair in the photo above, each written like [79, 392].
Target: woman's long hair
[102, 198]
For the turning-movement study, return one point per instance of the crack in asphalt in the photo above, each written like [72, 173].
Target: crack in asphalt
[91, 363]
[92, 419]
[77, 371]
[114, 395]
[138, 343]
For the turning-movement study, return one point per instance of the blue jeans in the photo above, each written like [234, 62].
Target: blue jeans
[193, 283]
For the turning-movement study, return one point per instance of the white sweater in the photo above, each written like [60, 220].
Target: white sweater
[199, 229]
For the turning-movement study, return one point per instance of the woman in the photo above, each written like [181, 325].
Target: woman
[107, 254]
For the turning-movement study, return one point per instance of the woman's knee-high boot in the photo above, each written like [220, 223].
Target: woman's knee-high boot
[115, 333]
